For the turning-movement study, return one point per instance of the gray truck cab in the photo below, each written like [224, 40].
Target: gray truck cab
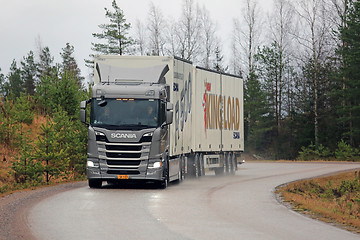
[128, 136]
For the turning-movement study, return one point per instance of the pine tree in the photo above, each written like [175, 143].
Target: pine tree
[46, 63]
[256, 118]
[50, 152]
[59, 89]
[14, 85]
[350, 107]
[219, 61]
[115, 33]
[69, 63]
[269, 65]
[28, 73]
[67, 94]
[25, 166]
[2, 82]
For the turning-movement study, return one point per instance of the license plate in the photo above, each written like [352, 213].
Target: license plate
[123, 176]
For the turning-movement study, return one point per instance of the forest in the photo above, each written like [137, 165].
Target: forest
[299, 62]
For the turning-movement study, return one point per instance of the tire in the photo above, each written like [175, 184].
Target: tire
[197, 165]
[95, 183]
[181, 169]
[235, 162]
[164, 183]
[191, 166]
[202, 164]
[226, 163]
[180, 173]
[231, 163]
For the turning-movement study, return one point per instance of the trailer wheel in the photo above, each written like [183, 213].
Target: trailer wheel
[191, 172]
[202, 164]
[231, 163]
[181, 172]
[197, 165]
[235, 162]
[182, 169]
[95, 183]
[226, 163]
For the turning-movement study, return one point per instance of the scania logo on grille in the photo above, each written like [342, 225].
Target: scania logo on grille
[123, 135]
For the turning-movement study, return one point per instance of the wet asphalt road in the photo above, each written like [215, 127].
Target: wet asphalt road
[229, 207]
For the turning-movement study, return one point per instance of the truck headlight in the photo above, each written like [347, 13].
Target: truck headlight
[92, 164]
[154, 165]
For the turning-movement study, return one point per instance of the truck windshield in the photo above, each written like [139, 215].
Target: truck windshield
[125, 113]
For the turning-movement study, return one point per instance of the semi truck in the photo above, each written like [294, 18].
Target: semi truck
[161, 119]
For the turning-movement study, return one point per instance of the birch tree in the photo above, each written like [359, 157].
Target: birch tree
[281, 36]
[189, 32]
[314, 39]
[174, 45]
[156, 29]
[140, 37]
[209, 38]
[247, 34]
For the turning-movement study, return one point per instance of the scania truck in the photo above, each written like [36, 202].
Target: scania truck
[161, 119]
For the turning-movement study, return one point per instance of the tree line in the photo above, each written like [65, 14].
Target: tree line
[301, 92]
[298, 62]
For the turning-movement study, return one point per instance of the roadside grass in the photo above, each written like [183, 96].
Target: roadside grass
[334, 199]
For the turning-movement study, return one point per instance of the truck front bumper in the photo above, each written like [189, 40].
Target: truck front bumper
[143, 173]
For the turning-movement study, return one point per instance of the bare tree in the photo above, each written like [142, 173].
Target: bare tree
[281, 26]
[189, 31]
[156, 28]
[314, 38]
[338, 14]
[140, 37]
[209, 37]
[247, 33]
[172, 39]
[235, 61]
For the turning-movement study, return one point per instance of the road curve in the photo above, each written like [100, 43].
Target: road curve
[229, 207]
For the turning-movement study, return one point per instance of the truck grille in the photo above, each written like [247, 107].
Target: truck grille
[123, 155]
[123, 163]
[123, 147]
[124, 151]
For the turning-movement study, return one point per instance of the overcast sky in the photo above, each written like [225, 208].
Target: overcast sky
[57, 22]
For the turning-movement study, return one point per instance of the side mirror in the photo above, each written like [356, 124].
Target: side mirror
[169, 106]
[83, 104]
[169, 114]
[169, 117]
[83, 115]
[83, 111]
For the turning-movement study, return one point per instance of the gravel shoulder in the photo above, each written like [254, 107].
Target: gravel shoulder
[14, 209]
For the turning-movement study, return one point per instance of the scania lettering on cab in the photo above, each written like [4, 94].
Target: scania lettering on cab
[160, 119]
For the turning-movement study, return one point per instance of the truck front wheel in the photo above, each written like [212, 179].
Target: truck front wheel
[95, 183]
[164, 183]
